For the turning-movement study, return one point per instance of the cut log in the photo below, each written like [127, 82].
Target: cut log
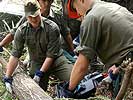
[25, 88]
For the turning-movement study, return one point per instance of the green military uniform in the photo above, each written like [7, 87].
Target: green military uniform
[107, 30]
[42, 42]
[74, 26]
[58, 18]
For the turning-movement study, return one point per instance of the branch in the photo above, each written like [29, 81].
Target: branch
[125, 82]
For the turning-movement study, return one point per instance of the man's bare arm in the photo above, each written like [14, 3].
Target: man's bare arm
[47, 64]
[69, 42]
[11, 65]
[79, 70]
[9, 38]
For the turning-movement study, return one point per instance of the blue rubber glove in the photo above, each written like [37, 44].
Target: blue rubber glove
[1, 49]
[62, 91]
[110, 77]
[38, 76]
[72, 53]
[113, 76]
[8, 83]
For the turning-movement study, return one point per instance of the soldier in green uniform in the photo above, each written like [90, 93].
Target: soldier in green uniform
[42, 37]
[57, 17]
[74, 23]
[106, 30]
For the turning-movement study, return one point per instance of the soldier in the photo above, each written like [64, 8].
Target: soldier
[42, 37]
[58, 18]
[46, 11]
[106, 30]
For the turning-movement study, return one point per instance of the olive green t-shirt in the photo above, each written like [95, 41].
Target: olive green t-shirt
[107, 30]
[42, 42]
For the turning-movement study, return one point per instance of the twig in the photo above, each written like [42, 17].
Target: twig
[6, 51]
[6, 25]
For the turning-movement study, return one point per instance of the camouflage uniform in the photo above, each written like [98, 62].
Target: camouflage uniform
[42, 42]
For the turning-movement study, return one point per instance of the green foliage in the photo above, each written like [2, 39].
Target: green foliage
[2, 88]
[4, 95]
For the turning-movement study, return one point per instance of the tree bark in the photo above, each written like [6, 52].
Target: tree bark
[125, 83]
[25, 88]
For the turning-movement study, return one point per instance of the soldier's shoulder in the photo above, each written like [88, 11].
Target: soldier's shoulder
[49, 23]
[21, 27]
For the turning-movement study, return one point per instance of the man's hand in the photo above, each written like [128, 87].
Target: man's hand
[8, 83]
[111, 76]
[62, 90]
[1, 49]
[114, 69]
[38, 76]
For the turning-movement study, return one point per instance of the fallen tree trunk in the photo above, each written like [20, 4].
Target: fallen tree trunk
[25, 88]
